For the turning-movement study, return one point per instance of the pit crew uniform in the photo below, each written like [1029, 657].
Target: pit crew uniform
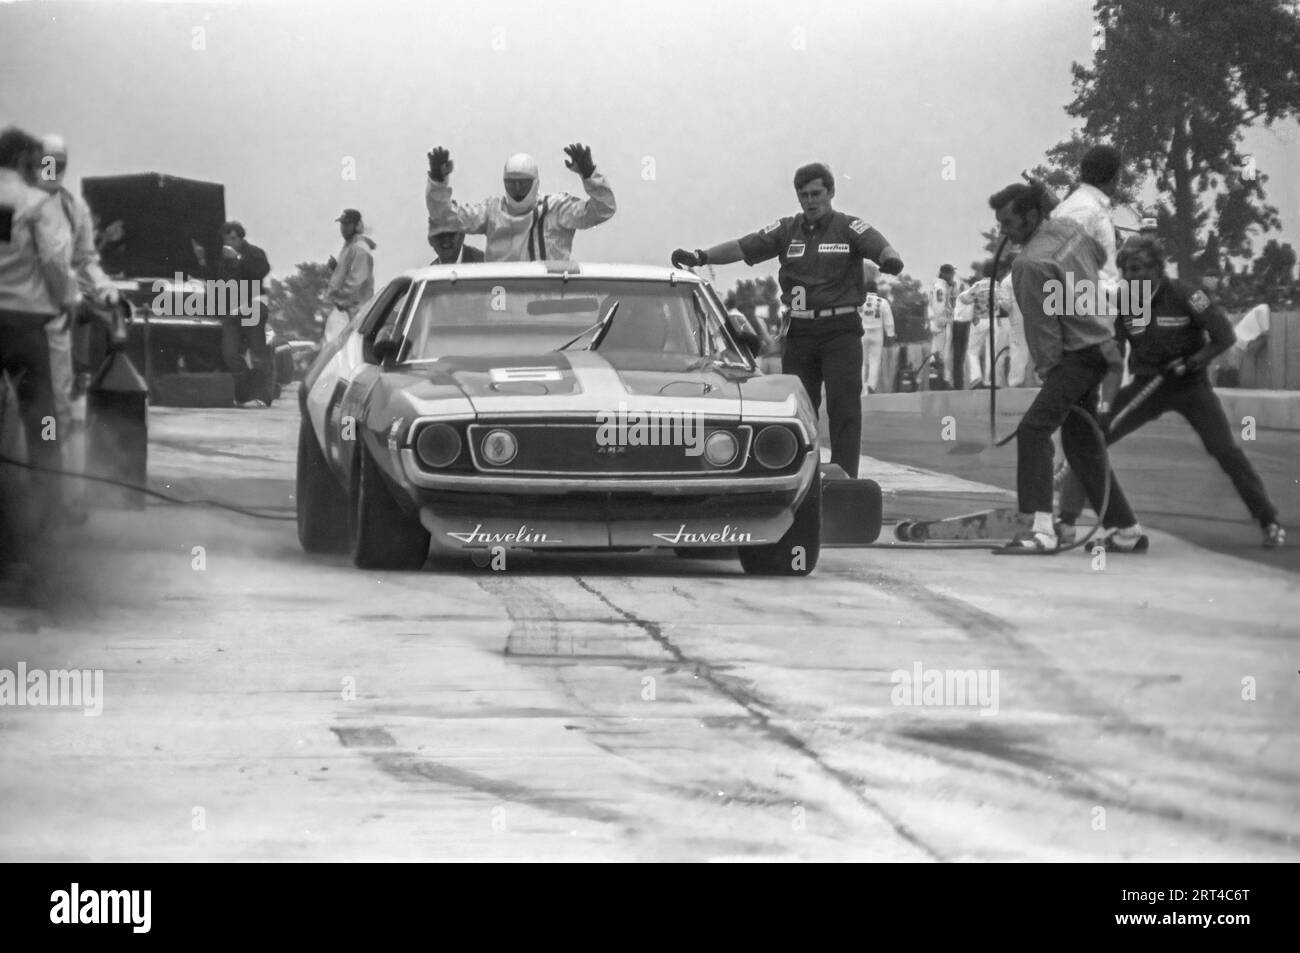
[977, 297]
[821, 269]
[943, 297]
[961, 320]
[1176, 326]
[878, 326]
[1018, 366]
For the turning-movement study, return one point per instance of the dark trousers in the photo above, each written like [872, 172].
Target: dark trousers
[830, 352]
[238, 337]
[960, 336]
[25, 357]
[1194, 398]
[1071, 383]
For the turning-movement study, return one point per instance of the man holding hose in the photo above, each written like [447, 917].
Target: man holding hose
[1072, 346]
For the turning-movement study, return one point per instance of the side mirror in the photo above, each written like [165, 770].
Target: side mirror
[386, 346]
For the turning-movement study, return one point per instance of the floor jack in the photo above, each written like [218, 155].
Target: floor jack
[995, 525]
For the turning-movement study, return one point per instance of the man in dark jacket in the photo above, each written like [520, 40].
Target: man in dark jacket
[449, 244]
[1177, 333]
[243, 328]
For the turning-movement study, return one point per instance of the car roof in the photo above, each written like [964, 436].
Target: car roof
[555, 269]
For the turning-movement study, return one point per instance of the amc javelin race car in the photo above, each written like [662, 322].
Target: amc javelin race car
[554, 406]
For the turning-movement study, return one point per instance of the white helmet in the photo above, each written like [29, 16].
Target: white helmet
[518, 166]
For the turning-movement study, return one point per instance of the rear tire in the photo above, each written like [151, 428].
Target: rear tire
[384, 536]
[322, 504]
[796, 553]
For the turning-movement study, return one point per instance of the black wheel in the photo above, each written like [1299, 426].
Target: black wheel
[795, 554]
[322, 504]
[902, 532]
[384, 536]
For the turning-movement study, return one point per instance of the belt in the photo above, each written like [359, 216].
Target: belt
[823, 312]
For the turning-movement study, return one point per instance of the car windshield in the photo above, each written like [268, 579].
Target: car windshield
[544, 314]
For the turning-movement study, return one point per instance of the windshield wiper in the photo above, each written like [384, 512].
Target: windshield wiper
[601, 328]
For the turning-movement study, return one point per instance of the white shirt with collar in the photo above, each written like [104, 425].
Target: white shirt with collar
[1090, 207]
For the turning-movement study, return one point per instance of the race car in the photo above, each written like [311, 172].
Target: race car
[554, 406]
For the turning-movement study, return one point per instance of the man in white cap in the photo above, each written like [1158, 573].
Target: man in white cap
[352, 278]
[518, 225]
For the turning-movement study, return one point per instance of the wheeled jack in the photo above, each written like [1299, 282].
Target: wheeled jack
[995, 524]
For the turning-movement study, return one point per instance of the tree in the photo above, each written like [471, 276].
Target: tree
[751, 293]
[297, 303]
[908, 301]
[1172, 86]
[1275, 265]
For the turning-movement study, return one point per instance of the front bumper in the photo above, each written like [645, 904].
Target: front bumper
[477, 512]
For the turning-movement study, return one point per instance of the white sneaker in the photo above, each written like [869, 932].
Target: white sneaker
[1130, 539]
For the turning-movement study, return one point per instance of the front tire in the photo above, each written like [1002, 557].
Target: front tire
[384, 536]
[322, 504]
[796, 553]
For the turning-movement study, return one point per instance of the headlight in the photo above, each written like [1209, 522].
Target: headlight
[438, 445]
[499, 447]
[775, 447]
[720, 448]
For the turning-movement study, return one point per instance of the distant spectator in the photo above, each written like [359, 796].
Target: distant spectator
[352, 282]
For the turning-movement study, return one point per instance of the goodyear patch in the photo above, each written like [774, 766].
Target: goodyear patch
[1199, 301]
[833, 248]
[795, 250]
[768, 229]
[859, 226]
[1173, 320]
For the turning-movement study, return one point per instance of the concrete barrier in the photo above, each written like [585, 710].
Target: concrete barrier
[1271, 409]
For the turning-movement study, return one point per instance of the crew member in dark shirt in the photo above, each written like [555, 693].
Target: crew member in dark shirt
[244, 262]
[1177, 335]
[822, 287]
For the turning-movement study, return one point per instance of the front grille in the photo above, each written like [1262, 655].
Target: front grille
[589, 449]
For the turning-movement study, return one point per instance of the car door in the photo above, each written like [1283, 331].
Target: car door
[357, 375]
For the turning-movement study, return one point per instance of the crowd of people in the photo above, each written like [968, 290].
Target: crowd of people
[837, 330]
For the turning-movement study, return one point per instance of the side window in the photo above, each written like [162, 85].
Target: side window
[383, 306]
[386, 307]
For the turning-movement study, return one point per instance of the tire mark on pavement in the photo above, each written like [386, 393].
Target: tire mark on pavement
[981, 624]
[764, 721]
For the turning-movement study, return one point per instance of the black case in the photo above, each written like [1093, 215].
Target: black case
[161, 214]
[852, 510]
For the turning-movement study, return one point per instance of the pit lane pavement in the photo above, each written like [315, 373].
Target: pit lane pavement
[264, 704]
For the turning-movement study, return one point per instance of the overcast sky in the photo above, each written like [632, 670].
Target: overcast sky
[698, 113]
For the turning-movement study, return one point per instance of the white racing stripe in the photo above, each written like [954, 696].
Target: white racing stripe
[900, 478]
[597, 376]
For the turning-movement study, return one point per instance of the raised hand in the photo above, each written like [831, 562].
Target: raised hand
[440, 164]
[580, 160]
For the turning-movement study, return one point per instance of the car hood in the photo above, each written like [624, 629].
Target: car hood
[568, 382]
